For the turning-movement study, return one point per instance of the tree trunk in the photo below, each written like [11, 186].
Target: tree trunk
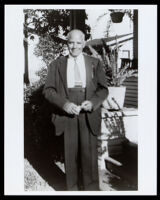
[26, 75]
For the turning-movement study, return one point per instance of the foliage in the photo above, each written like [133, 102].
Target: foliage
[39, 137]
[30, 89]
[50, 25]
[108, 57]
[51, 21]
[47, 24]
[48, 49]
[42, 21]
[115, 76]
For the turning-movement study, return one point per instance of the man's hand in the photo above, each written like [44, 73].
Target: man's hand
[87, 105]
[71, 108]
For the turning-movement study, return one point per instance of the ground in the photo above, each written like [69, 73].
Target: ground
[34, 182]
[108, 181]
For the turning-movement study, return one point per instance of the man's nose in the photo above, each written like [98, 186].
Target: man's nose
[74, 45]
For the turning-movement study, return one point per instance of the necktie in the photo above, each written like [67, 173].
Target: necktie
[78, 81]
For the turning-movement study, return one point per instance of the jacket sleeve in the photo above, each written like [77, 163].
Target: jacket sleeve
[102, 90]
[50, 90]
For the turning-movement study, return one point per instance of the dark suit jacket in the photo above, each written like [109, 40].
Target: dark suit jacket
[56, 92]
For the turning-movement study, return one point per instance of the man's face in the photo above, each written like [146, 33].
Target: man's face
[75, 44]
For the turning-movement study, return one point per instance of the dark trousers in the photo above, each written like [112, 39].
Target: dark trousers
[80, 145]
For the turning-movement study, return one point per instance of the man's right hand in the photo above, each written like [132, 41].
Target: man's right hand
[71, 108]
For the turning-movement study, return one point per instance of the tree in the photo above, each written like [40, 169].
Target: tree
[50, 25]
[48, 49]
[48, 21]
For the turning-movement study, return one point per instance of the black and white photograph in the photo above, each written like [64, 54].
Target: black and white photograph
[80, 99]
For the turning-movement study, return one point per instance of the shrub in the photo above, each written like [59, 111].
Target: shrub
[39, 134]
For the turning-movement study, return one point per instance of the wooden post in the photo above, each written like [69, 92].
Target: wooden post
[116, 55]
[77, 20]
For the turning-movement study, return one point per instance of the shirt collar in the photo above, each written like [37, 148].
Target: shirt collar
[80, 56]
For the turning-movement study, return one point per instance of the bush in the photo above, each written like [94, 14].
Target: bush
[38, 129]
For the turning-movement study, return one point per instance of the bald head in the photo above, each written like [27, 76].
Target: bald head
[76, 42]
[76, 32]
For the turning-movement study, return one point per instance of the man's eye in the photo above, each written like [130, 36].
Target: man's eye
[74, 43]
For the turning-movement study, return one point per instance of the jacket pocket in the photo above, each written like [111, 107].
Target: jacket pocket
[59, 123]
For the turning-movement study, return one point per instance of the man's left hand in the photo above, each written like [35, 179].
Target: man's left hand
[87, 105]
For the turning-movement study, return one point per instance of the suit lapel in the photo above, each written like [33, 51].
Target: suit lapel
[89, 70]
[63, 72]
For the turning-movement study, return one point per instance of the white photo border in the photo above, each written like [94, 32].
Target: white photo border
[147, 110]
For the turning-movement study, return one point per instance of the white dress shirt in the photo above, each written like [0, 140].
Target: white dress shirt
[70, 70]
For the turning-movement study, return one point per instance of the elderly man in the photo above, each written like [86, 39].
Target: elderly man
[76, 87]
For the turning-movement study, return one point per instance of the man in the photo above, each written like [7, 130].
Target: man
[76, 86]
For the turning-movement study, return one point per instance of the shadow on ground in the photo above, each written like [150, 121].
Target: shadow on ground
[41, 147]
[44, 163]
[128, 172]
